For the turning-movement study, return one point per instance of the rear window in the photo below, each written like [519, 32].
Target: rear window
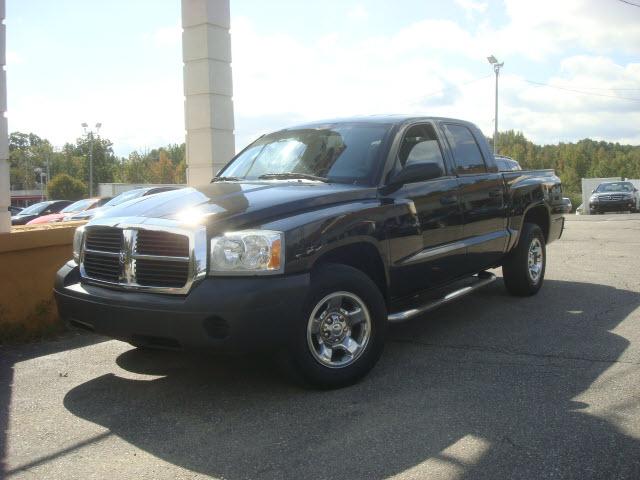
[466, 151]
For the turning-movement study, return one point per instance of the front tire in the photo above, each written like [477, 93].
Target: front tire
[523, 271]
[340, 335]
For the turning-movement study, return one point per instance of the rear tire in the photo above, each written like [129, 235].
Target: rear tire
[523, 271]
[340, 334]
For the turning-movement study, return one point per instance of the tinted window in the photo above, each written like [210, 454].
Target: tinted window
[78, 206]
[466, 152]
[36, 208]
[507, 164]
[419, 145]
[123, 197]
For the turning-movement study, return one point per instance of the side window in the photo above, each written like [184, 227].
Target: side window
[466, 152]
[420, 145]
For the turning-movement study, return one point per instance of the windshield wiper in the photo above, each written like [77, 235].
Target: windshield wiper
[224, 179]
[292, 176]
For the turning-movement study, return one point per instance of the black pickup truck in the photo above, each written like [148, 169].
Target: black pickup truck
[311, 241]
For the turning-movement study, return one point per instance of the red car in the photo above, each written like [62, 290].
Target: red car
[75, 207]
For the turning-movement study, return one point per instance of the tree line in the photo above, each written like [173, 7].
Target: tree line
[68, 167]
[28, 152]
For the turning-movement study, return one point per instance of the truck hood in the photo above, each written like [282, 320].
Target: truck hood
[239, 203]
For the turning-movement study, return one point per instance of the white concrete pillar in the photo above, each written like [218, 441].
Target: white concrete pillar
[5, 195]
[208, 88]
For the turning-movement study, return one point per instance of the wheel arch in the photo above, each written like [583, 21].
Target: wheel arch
[362, 255]
[538, 214]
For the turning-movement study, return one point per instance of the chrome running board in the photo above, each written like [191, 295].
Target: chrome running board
[484, 278]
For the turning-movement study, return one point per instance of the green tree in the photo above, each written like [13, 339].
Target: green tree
[65, 187]
[27, 152]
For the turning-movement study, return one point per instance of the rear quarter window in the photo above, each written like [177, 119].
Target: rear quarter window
[466, 152]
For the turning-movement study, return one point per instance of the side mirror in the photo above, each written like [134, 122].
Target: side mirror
[418, 172]
[593, 191]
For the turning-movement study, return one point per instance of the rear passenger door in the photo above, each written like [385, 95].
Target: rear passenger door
[482, 196]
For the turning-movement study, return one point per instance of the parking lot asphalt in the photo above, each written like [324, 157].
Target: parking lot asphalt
[489, 387]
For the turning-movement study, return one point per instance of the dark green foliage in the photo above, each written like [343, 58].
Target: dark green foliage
[573, 161]
[65, 187]
[28, 152]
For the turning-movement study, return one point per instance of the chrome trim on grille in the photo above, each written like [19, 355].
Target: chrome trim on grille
[130, 226]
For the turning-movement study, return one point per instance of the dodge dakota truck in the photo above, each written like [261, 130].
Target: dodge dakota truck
[313, 239]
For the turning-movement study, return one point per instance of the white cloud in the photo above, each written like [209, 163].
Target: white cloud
[403, 73]
[167, 36]
[14, 58]
[358, 12]
[280, 79]
[472, 7]
[542, 27]
[134, 115]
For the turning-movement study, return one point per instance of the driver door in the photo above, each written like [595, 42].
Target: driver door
[425, 252]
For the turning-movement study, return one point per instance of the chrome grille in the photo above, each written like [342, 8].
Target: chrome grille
[102, 267]
[104, 239]
[161, 273]
[151, 242]
[151, 258]
[613, 197]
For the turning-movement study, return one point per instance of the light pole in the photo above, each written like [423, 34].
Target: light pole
[496, 68]
[39, 171]
[89, 133]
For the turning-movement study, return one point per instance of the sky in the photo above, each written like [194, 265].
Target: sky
[571, 67]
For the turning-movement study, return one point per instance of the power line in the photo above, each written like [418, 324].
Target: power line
[629, 3]
[582, 92]
[609, 89]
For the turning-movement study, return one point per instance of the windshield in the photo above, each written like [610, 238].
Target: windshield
[35, 209]
[343, 153]
[78, 206]
[123, 197]
[615, 187]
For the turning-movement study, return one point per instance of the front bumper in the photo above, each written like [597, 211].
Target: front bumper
[613, 206]
[226, 314]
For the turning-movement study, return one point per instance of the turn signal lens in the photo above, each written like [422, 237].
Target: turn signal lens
[78, 237]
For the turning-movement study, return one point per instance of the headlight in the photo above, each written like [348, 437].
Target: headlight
[247, 252]
[593, 199]
[78, 236]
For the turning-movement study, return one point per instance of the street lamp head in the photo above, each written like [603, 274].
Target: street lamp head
[98, 125]
[492, 60]
[84, 125]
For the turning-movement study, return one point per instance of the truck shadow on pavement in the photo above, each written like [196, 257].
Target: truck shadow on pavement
[489, 387]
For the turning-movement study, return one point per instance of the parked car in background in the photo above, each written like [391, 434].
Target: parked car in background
[14, 210]
[76, 207]
[567, 206]
[38, 210]
[614, 197]
[119, 199]
[507, 164]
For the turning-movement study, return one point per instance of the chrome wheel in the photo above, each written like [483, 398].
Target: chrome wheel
[535, 260]
[338, 330]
